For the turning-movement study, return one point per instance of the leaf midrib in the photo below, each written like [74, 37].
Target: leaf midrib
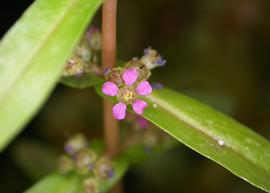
[195, 125]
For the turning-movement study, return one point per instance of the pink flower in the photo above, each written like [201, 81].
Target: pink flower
[128, 94]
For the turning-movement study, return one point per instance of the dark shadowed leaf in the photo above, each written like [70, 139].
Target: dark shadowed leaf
[27, 152]
[83, 81]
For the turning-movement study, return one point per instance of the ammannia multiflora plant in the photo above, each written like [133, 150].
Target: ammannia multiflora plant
[127, 83]
[33, 59]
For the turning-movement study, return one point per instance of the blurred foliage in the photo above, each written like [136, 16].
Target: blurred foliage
[218, 47]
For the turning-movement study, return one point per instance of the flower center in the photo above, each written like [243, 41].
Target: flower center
[127, 95]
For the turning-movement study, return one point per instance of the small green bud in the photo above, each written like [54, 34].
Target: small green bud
[74, 67]
[94, 38]
[75, 144]
[65, 164]
[83, 51]
[103, 168]
[84, 160]
[115, 75]
[90, 185]
[143, 72]
[85, 56]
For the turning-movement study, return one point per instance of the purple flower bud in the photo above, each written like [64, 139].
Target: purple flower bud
[75, 144]
[157, 85]
[146, 50]
[91, 30]
[160, 61]
[152, 59]
[107, 71]
[68, 149]
[110, 173]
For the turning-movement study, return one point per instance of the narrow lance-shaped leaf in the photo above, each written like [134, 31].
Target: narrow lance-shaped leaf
[212, 134]
[32, 56]
[58, 183]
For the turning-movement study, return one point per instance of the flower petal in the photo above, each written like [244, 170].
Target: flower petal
[130, 76]
[119, 111]
[144, 88]
[139, 106]
[109, 88]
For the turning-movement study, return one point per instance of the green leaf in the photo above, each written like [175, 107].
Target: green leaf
[83, 81]
[212, 134]
[32, 56]
[58, 183]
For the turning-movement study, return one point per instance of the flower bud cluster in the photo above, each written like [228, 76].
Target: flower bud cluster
[83, 160]
[85, 56]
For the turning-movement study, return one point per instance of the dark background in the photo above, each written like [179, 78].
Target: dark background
[217, 51]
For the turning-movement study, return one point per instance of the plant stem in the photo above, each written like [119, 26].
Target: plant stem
[111, 130]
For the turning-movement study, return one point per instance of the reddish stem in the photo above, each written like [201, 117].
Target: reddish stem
[111, 130]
